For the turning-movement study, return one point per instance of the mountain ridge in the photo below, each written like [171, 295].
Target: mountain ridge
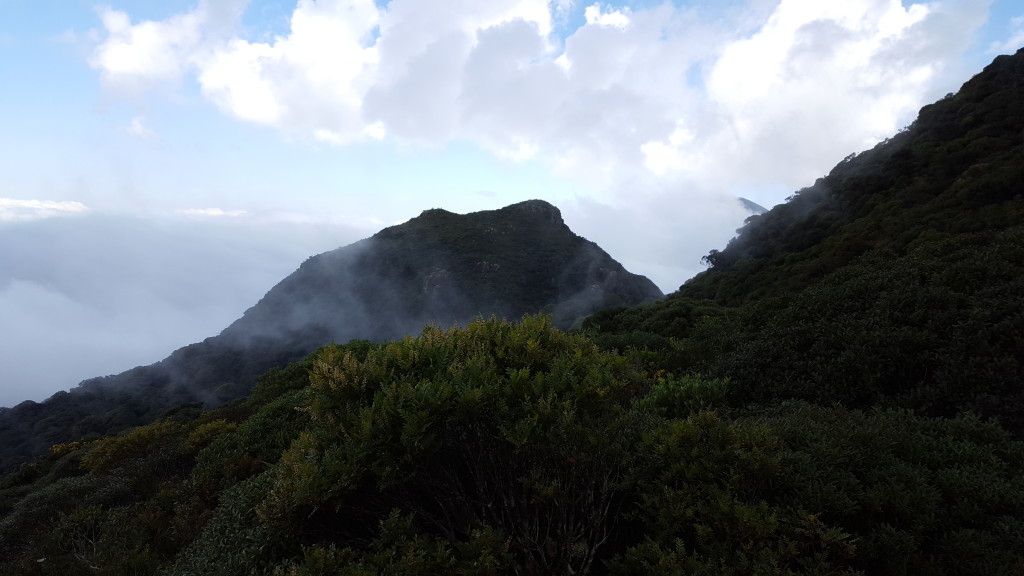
[895, 281]
[930, 178]
[439, 267]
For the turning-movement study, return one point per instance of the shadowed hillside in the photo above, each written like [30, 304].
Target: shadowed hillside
[958, 169]
[897, 280]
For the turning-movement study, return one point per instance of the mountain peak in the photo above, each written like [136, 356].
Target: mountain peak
[439, 267]
[446, 267]
[539, 209]
[536, 211]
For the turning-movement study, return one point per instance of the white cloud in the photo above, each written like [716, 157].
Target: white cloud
[309, 81]
[661, 156]
[376, 131]
[139, 56]
[233, 77]
[145, 52]
[662, 104]
[137, 128]
[817, 79]
[13, 210]
[211, 212]
[596, 16]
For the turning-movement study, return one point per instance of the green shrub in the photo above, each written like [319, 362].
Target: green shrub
[518, 428]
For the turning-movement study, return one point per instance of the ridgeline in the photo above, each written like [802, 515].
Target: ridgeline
[440, 268]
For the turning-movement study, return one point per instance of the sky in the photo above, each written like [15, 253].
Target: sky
[164, 164]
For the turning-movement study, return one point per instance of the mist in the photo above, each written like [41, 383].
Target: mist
[93, 295]
[661, 234]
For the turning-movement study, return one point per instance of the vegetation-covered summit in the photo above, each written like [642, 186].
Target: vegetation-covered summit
[444, 268]
[440, 267]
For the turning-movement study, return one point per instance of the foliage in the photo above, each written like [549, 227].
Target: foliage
[400, 549]
[922, 495]
[938, 330]
[714, 507]
[803, 488]
[516, 448]
[517, 428]
[235, 541]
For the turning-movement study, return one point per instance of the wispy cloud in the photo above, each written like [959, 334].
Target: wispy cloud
[212, 213]
[14, 210]
[94, 288]
[137, 128]
[1014, 42]
[90, 38]
[595, 14]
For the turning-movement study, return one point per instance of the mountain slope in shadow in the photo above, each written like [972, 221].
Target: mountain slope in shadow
[439, 267]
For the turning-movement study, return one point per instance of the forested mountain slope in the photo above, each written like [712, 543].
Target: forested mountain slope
[505, 448]
[439, 267]
[897, 280]
[958, 169]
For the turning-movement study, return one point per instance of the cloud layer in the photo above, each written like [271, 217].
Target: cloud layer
[656, 105]
[94, 295]
[14, 210]
[680, 92]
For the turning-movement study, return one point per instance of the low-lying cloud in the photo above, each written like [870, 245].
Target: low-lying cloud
[14, 210]
[94, 295]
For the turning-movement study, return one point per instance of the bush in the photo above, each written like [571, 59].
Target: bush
[517, 428]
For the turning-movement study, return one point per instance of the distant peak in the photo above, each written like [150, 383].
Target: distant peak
[752, 207]
[537, 208]
[434, 212]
